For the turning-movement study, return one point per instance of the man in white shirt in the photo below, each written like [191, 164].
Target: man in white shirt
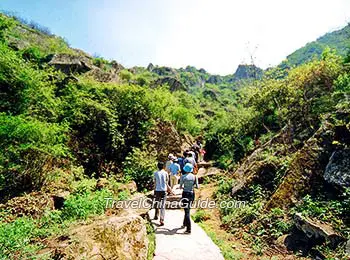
[160, 192]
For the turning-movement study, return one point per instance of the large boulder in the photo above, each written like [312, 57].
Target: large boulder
[317, 231]
[308, 164]
[164, 71]
[245, 71]
[337, 171]
[115, 237]
[174, 84]
[164, 139]
[69, 63]
[150, 67]
[215, 79]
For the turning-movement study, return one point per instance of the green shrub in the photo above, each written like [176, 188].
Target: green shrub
[15, 239]
[140, 166]
[6, 24]
[82, 205]
[125, 75]
[99, 62]
[26, 89]
[30, 150]
[33, 54]
[200, 216]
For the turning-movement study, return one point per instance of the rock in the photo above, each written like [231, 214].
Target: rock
[317, 231]
[164, 71]
[101, 183]
[337, 171]
[204, 173]
[103, 76]
[117, 66]
[164, 139]
[308, 163]
[59, 199]
[108, 238]
[70, 63]
[215, 79]
[174, 84]
[205, 164]
[347, 247]
[150, 67]
[131, 187]
[248, 72]
[237, 187]
[201, 70]
[281, 241]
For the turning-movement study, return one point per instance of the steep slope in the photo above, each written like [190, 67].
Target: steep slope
[338, 40]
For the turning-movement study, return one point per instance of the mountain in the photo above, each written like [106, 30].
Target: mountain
[77, 129]
[338, 40]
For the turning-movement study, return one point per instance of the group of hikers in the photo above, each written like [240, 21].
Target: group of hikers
[183, 168]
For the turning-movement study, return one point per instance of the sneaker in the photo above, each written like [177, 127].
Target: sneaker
[183, 226]
[155, 218]
[161, 223]
[187, 232]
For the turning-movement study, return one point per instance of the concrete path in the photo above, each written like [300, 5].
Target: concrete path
[173, 244]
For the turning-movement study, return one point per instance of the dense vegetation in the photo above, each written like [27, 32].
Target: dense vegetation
[337, 40]
[62, 130]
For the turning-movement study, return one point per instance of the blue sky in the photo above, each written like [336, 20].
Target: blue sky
[216, 35]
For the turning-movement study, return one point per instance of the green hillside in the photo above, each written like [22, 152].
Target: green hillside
[338, 40]
[75, 124]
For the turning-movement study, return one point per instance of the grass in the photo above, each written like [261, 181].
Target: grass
[151, 241]
[225, 246]
[20, 238]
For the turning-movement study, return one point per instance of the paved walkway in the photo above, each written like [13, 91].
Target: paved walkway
[173, 244]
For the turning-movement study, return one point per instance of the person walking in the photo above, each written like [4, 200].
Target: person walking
[160, 192]
[191, 160]
[175, 170]
[188, 182]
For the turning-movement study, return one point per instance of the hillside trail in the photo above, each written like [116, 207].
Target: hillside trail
[173, 244]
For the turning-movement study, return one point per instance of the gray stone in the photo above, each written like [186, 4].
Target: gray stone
[347, 248]
[317, 231]
[337, 171]
[68, 63]
[115, 237]
[174, 84]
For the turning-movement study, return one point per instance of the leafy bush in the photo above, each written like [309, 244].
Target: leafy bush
[30, 150]
[82, 205]
[33, 54]
[99, 62]
[17, 239]
[140, 166]
[6, 25]
[25, 89]
[125, 75]
[200, 216]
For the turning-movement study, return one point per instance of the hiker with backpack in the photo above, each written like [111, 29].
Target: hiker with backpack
[188, 182]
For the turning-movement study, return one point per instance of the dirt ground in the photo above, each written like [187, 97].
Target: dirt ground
[240, 247]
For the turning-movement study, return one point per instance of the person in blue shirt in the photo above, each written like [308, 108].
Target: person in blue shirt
[188, 182]
[175, 170]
